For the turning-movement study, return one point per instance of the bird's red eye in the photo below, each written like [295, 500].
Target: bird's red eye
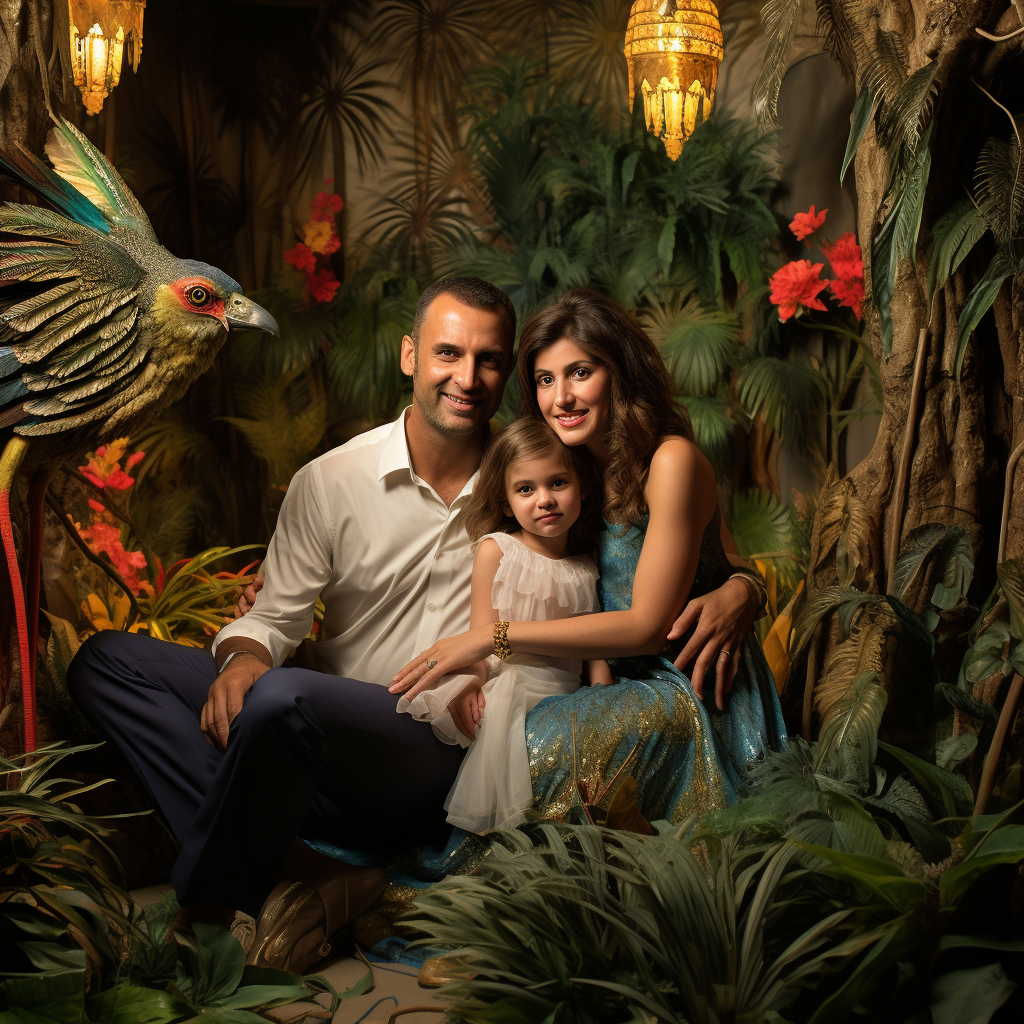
[198, 296]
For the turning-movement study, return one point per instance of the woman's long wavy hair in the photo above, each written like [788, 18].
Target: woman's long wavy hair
[532, 439]
[643, 410]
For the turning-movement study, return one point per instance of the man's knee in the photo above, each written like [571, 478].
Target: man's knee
[281, 700]
[98, 659]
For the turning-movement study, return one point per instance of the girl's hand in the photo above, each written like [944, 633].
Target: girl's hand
[467, 710]
[454, 654]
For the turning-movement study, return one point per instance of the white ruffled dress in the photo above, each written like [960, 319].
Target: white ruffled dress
[493, 786]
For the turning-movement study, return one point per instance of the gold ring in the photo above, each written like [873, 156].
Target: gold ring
[431, 663]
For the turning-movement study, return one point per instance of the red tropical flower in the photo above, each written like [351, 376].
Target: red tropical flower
[845, 257]
[322, 285]
[803, 225]
[849, 293]
[795, 286]
[301, 257]
[325, 205]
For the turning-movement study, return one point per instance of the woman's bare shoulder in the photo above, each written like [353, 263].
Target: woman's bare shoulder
[679, 455]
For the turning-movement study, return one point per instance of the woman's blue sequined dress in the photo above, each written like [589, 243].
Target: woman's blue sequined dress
[689, 757]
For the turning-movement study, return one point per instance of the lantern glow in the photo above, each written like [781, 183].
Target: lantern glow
[673, 52]
[100, 31]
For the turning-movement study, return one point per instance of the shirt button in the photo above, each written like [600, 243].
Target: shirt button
[431, 607]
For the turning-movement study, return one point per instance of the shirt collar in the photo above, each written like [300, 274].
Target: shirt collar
[395, 459]
[395, 456]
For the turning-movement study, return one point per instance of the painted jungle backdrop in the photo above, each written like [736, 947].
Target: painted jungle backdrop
[834, 271]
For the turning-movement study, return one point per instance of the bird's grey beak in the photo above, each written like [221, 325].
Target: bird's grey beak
[245, 315]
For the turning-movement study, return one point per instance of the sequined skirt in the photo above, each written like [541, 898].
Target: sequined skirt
[686, 757]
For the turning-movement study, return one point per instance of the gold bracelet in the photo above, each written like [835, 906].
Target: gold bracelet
[501, 647]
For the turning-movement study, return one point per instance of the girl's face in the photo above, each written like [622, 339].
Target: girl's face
[544, 495]
[574, 392]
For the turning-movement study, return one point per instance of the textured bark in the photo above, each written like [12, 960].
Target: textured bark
[963, 431]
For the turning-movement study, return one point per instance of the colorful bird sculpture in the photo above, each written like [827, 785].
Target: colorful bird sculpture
[100, 329]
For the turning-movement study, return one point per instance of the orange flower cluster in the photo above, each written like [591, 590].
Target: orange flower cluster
[319, 239]
[795, 287]
[103, 534]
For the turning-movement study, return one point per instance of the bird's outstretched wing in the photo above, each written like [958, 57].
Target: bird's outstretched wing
[82, 184]
[69, 320]
[85, 168]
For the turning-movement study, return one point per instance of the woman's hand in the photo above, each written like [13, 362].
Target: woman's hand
[454, 654]
[248, 598]
[467, 710]
[721, 622]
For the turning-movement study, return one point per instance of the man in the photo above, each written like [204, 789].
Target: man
[375, 529]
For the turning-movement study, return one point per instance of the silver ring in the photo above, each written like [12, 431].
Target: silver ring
[724, 650]
[431, 663]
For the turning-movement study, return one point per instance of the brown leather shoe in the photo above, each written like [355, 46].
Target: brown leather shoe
[299, 917]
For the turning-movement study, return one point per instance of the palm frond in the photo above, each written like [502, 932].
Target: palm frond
[790, 395]
[901, 118]
[712, 428]
[760, 524]
[840, 34]
[698, 343]
[779, 18]
[999, 186]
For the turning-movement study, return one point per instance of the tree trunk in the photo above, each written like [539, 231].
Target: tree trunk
[963, 431]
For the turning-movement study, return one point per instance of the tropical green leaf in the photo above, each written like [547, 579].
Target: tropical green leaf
[132, 1004]
[853, 720]
[952, 752]
[978, 303]
[1011, 582]
[881, 877]
[863, 108]
[970, 995]
[999, 183]
[963, 701]
[951, 790]
[954, 235]
[900, 117]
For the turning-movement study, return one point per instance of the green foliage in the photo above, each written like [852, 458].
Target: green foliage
[790, 396]
[586, 924]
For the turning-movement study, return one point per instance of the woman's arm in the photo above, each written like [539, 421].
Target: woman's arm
[682, 497]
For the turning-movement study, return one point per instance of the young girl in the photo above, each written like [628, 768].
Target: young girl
[535, 515]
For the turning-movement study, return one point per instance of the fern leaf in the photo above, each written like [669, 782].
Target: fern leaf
[814, 612]
[886, 72]
[840, 33]
[779, 19]
[999, 183]
[901, 117]
[954, 235]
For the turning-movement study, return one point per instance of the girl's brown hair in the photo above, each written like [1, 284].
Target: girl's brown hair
[531, 439]
[643, 410]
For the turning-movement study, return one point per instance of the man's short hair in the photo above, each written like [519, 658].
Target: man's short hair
[470, 291]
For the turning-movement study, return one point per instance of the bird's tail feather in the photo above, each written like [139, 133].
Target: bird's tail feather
[30, 172]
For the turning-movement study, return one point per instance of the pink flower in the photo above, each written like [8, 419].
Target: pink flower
[119, 480]
[849, 293]
[796, 286]
[803, 225]
[301, 257]
[134, 460]
[845, 257]
[322, 285]
[97, 506]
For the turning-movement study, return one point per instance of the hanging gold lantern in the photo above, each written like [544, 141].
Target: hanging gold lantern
[100, 32]
[673, 51]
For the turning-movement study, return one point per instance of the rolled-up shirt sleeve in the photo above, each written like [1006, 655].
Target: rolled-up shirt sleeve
[297, 568]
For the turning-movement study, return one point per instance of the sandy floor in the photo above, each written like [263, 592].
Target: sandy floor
[395, 987]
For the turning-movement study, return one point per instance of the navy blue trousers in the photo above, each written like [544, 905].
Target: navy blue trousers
[310, 755]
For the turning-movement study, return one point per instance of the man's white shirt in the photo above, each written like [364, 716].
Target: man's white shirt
[391, 562]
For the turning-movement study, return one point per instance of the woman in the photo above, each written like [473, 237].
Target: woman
[588, 370]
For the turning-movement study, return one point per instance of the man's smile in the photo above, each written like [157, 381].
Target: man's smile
[459, 402]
